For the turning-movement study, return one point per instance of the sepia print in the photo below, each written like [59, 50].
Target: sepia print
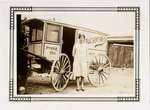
[87, 54]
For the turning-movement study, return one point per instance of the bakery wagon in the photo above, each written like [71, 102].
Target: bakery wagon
[50, 45]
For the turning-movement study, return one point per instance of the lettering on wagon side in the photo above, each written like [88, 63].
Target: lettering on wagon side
[51, 51]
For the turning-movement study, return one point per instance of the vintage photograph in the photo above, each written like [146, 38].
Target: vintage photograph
[76, 54]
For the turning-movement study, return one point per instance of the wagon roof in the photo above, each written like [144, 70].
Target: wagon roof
[32, 22]
[41, 21]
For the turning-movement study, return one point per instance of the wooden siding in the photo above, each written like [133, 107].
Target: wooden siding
[121, 55]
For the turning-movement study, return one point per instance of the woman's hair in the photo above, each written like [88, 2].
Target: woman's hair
[81, 35]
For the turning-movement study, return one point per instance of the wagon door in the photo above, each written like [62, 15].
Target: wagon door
[52, 41]
[68, 42]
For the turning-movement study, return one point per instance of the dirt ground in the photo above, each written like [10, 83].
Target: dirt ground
[119, 83]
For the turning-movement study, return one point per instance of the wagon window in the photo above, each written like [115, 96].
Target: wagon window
[33, 34]
[37, 34]
[52, 33]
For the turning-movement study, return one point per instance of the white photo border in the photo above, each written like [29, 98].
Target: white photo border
[136, 10]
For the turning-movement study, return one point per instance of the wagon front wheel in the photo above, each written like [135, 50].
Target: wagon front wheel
[61, 72]
[99, 68]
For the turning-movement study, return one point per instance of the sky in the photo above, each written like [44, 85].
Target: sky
[112, 23]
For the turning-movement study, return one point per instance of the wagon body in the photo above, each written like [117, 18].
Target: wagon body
[50, 45]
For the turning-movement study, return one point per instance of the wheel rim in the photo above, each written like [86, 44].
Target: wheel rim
[61, 72]
[99, 70]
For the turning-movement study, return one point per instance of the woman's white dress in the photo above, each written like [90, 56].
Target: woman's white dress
[80, 60]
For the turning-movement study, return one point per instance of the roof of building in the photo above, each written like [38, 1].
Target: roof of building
[115, 38]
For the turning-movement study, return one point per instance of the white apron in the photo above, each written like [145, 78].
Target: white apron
[80, 58]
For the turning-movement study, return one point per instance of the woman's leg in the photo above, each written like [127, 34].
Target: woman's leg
[82, 83]
[78, 81]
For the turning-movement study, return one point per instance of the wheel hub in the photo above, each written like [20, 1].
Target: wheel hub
[100, 69]
[62, 71]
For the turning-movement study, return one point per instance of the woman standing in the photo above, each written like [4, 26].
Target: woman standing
[79, 65]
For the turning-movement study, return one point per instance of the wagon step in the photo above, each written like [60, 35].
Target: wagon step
[41, 75]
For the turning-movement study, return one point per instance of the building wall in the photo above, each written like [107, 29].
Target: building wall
[121, 55]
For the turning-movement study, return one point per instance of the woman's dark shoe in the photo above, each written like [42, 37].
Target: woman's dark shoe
[82, 90]
[77, 90]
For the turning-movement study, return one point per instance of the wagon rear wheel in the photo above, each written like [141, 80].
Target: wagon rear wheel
[61, 72]
[99, 69]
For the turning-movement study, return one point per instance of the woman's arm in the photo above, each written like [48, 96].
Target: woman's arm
[87, 52]
[74, 51]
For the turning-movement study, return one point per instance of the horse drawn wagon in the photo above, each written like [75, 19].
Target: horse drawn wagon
[50, 45]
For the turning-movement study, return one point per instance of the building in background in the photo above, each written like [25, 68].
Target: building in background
[120, 51]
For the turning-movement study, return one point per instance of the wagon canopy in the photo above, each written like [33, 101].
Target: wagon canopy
[38, 22]
[34, 22]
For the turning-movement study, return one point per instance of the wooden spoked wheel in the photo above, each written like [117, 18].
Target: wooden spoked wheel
[98, 69]
[61, 72]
